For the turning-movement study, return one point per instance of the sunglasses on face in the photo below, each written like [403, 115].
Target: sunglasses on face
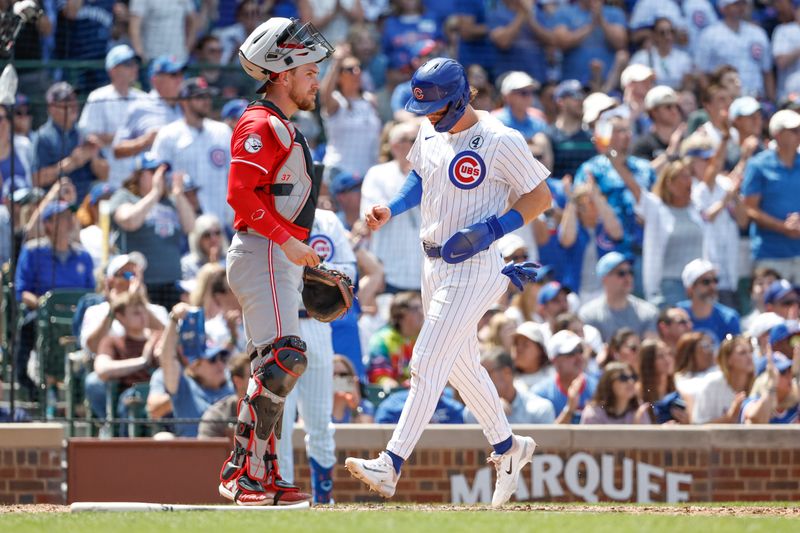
[624, 273]
[518, 258]
[22, 113]
[576, 351]
[221, 357]
[788, 303]
[351, 70]
[708, 281]
[525, 92]
[627, 377]
[214, 232]
[342, 374]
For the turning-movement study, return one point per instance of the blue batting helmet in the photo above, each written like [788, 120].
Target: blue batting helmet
[436, 84]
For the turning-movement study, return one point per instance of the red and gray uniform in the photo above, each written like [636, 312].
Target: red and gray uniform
[273, 191]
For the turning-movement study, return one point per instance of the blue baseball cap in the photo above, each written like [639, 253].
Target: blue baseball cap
[609, 262]
[147, 161]
[233, 109]
[782, 332]
[344, 182]
[549, 292]
[119, 55]
[166, 65]
[210, 353]
[569, 89]
[54, 208]
[99, 190]
[777, 290]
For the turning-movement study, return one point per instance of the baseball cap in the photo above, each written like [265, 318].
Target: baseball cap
[694, 270]
[516, 80]
[59, 92]
[609, 262]
[725, 3]
[531, 331]
[660, 95]
[210, 353]
[120, 261]
[549, 291]
[697, 145]
[166, 65]
[233, 109]
[777, 290]
[147, 161]
[55, 208]
[193, 87]
[23, 195]
[635, 72]
[99, 190]
[744, 106]
[568, 89]
[595, 104]
[564, 342]
[20, 184]
[764, 323]
[119, 55]
[422, 48]
[510, 243]
[783, 331]
[784, 119]
[344, 182]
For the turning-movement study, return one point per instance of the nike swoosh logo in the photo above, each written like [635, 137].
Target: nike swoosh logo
[430, 137]
[456, 256]
[510, 464]
[373, 470]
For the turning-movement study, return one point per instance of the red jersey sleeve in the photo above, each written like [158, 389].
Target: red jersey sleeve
[255, 150]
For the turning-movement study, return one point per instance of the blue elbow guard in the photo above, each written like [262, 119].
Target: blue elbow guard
[478, 237]
[410, 194]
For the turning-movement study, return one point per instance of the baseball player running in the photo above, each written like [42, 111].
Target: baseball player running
[273, 191]
[313, 395]
[467, 164]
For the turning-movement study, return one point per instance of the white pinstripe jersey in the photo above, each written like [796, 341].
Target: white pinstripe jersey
[467, 176]
[396, 245]
[329, 239]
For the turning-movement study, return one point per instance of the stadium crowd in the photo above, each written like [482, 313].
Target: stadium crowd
[670, 256]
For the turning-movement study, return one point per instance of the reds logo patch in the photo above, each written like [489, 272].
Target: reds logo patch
[467, 170]
[418, 94]
[756, 51]
[322, 245]
[253, 143]
[258, 214]
[217, 156]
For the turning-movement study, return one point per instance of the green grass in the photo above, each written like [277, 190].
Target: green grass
[385, 521]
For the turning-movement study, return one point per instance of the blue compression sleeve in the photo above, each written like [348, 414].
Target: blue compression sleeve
[410, 195]
[509, 222]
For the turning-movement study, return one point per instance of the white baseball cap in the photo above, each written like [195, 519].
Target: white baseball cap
[510, 243]
[595, 104]
[515, 80]
[784, 119]
[120, 261]
[531, 331]
[694, 270]
[562, 343]
[635, 72]
[660, 95]
[744, 106]
[763, 323]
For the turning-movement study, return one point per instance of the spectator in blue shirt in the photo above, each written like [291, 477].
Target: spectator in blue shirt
[570, 389]
[590, 34]
[400, 31]
[52, 262]
[474, 47]
[83, 31]
[775, 398]
[448, 410]
[518, 37]
[195, 386]
[771, 192]
[706, 313]
[518, 90]
[60, 149]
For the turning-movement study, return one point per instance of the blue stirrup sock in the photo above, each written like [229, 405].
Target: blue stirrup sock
[410, 194]
[397, 461]
[502, 447]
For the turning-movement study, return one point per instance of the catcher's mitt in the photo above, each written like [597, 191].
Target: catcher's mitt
[327, 293]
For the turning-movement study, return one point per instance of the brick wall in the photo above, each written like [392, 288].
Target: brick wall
[30, 463]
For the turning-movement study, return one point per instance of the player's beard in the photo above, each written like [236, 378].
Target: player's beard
[304, 101]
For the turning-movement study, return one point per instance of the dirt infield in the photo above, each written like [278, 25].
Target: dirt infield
[788, 510]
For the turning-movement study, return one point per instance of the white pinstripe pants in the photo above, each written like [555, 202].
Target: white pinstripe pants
[455, 297]
[313, 397]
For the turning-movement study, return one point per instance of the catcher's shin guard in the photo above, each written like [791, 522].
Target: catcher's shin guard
[276, 370]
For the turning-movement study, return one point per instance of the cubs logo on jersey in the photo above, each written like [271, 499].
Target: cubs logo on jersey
[323, 245]
[467, 170]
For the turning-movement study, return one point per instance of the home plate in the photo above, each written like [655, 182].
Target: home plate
[119, 507]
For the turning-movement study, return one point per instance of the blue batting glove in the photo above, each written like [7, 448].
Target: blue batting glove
[521, 273]
[470, 241]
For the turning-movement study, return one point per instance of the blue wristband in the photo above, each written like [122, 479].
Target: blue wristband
[410, 195]
[509, 222]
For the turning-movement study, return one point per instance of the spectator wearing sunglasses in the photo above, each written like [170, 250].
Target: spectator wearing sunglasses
[672, 323]
[615, 400]
[660, 144]
[570, 389]
[519, 92]
[670, 64]
[617, 308]
[720, 395]
[701, 280]
[193, 382]
[775, 398]
[207, 244]
[783, 299]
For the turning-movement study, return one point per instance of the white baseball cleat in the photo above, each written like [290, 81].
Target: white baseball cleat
[508, 466]
[378, 473]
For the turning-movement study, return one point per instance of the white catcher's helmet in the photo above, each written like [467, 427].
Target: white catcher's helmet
[280, 44]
